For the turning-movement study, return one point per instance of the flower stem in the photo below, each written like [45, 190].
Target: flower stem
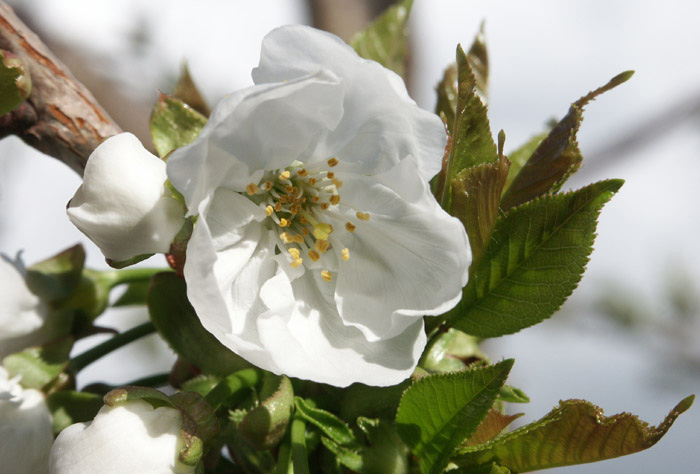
[88, 357]
[231, 386]
[156, 380]
[300, 459]
[129, 275]
[284, 453]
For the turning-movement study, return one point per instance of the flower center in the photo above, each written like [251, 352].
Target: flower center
[298, 201]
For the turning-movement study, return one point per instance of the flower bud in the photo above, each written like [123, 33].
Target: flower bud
[129, 436]
[25, 428]
[123, 205]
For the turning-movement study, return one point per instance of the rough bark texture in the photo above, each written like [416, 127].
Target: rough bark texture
[61, 117]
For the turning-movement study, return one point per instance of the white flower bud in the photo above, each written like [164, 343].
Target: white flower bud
[25, 429]
[123, 205]
[129, 437]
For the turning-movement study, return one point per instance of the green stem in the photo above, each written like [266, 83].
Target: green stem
[231, 386]
[284, 453]
[88, 357]
[128, 275]
[156, 380]
[300, 459]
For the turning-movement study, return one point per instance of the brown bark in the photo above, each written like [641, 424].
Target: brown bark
[61, 117]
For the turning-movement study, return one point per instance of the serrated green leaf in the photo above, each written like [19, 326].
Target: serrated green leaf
[476, 195]
[490, 468]
[439, 411]
[575, 432]
[265, 425]
[478, 58]
[472, 143]
[493, 424]
[174, 124]
[385, 40]
[39, 365]
[535, 259]
[188, 92]
[512, 395]
[329, 424]
[15, 82]
[175, 319]
[57, 277]
[519, 157]
[69, 407]
[557, 156]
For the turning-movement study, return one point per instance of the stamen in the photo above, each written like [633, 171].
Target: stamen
[268, 185]
[350, 227]
[321, 230]
[345, 254]
[363, 216]
[338, 183]
[322, 245]
[294, 253]
[286, 238]
[302, 172]
[330, 175]
[332, 162]
[299, 239]
[296, 262]
[284, 175]
[314, 255]
[251, 189]
[326, 275]
[335, 199]
[305, 230]
[269, 210]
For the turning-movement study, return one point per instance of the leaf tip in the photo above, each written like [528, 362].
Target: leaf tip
[622, 77]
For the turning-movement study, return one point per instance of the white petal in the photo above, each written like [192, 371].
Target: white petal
[381, 125]
[122, 204]
[128, 437]
[21, 311]
[410, 259]
[307, 339]
[260, 128]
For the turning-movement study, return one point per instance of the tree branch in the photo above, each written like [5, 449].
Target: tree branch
[61, 117]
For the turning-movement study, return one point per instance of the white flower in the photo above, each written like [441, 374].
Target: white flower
[318, 246]
[22, 313]
[25, 429]
[123, 205]
[129, 437]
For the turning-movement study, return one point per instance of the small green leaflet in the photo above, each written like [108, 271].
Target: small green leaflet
[330, 425]
[535, 259]
[40, 365]
[265, 425]
[174, 124]
[575, 432]
[15, 82]
[438, 412]
[385, 40]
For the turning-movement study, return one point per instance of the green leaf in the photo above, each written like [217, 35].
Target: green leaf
[535, 259]
[69, 407]
[265, 425]
[127, 263]
[201, 413]
[446, 89]
[385, 40]
[453, 350]
[374, 402]
[188, 92]
[493, 424]
[131, 392]
[557, 156]
[575, 432]
[201, 384]
[329, 424]
[519, 157]
[476, 195]
[490, 468]
[439, 411]
[174, 124]
[39, 365]
[15, 82]
[136, 294]
[175, 319]
[478, 58]
[512, 395]
[472, 142]
[58, 276]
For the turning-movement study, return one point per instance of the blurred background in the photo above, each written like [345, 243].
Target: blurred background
[627, 340]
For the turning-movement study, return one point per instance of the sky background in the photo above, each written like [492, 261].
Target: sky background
[544, 54]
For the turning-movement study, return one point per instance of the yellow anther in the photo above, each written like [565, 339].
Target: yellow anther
[314, 255]
[289, 188]
[278, 206]
[269, 210]
[302, 172]
[363, 216]
[304, 220]
[345, 254]
[251, 189]
[299, 239]
[322, 245]
[294, 253]
[332, 162]
[305, 230]
[330, 175]
[268, 185]
[286, 238]
[338, 183]
[285, 175]
[285, 222]
[324, 205]
[296, 262]
[312, 181]
[326, 275]
[315, 198]
[335, 199]
[350, 227]
[321, 230]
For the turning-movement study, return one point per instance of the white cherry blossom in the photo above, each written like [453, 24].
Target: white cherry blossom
[319, 246]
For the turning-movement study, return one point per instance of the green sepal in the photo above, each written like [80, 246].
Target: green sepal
[557, 156]
[440, 411]
[385, 40]
[154, 397]
[69, 407]
[575, 432]
[56, 277]
[330, 425]
[188, 92]
[535, 259]
[193, 447]
[201, 384]
[15, 82]
[174, 124]
[176, 321]
[451, 351]
[196, 407]
[40, 365]
[119, 264]
[265, 425]
[512, 395]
